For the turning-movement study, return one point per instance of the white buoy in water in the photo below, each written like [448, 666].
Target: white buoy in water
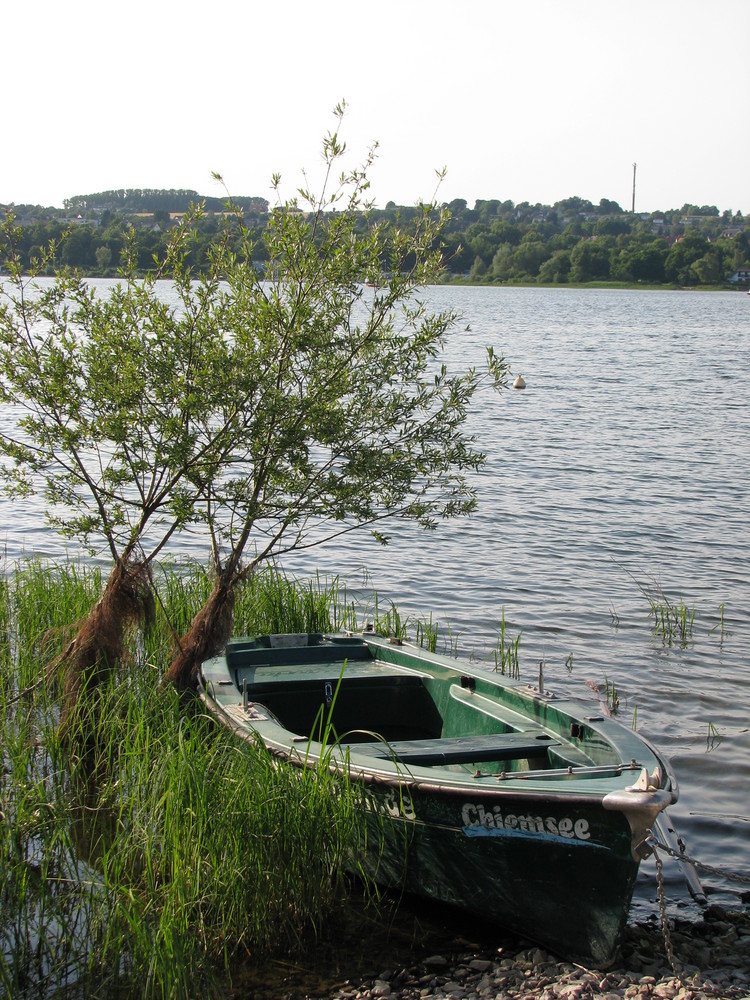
[519, 382]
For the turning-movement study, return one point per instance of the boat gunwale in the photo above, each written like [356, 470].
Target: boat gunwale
[392, 774]
[607, 728]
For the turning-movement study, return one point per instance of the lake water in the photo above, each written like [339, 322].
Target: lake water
[622, 468]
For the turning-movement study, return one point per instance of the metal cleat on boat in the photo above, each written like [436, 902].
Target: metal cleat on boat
[647, 782]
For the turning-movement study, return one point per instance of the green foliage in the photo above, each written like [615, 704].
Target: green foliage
[149, 200]
[682, 256]
[589, 260]
[111, 395]
[640, 261]
[556, 269]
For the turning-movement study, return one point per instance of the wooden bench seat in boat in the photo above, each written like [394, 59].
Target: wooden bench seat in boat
[248, 653]
[459, 749]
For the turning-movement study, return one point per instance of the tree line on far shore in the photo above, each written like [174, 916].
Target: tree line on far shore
[495, 242]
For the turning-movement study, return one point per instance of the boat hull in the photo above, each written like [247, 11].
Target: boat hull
[507, 862]
[474, 791]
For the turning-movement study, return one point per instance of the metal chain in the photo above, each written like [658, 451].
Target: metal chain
[663, 920]
[682, 856]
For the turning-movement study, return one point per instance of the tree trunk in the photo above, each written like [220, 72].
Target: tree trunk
[208, 633]
[98, 645]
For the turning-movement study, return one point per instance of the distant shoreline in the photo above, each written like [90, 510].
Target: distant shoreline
[465, 282]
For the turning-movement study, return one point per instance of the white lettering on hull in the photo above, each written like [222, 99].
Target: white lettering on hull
[480, 822]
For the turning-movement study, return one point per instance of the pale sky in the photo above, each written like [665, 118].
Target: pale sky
[528, 100]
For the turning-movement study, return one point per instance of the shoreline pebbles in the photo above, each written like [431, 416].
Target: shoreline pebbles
[711, 956]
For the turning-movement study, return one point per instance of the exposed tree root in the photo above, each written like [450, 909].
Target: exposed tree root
[98, 645]
[208, 633]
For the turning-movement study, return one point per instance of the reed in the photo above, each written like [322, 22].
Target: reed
[611, 696]
[505, 653]
[713, 737]
[672, 621]
[427, 634]
[172, 851]
[720, 626]
[41, 602]
[269, 602]
[273, 603]
[386, 621]
[450, 641]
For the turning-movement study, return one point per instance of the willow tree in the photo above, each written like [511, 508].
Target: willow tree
[273, 411]
[345, 415]
[108, 413]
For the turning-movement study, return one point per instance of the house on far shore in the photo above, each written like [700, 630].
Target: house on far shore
[740, 277]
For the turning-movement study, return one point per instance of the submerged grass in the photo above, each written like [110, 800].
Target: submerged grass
[175, 850]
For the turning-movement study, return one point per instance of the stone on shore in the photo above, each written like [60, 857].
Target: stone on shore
[712, 962]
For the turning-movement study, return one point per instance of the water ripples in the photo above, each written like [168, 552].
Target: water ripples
[622, 469]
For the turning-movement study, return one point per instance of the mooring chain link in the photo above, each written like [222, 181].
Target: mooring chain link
[705, 988]
[663, 920]
[653, 843]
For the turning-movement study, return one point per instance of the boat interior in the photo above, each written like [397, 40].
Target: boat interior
[409, 713]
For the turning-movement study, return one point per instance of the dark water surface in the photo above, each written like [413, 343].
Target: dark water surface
[622, 468]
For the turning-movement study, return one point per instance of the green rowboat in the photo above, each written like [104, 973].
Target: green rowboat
[530, 810]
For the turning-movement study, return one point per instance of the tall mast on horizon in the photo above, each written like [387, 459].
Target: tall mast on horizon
[633, 206]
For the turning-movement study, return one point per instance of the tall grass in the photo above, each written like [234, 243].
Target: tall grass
[505, 653]
[427, 634]
[175, 851]
[673, 622]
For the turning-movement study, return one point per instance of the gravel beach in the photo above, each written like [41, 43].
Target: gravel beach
[711, 960]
